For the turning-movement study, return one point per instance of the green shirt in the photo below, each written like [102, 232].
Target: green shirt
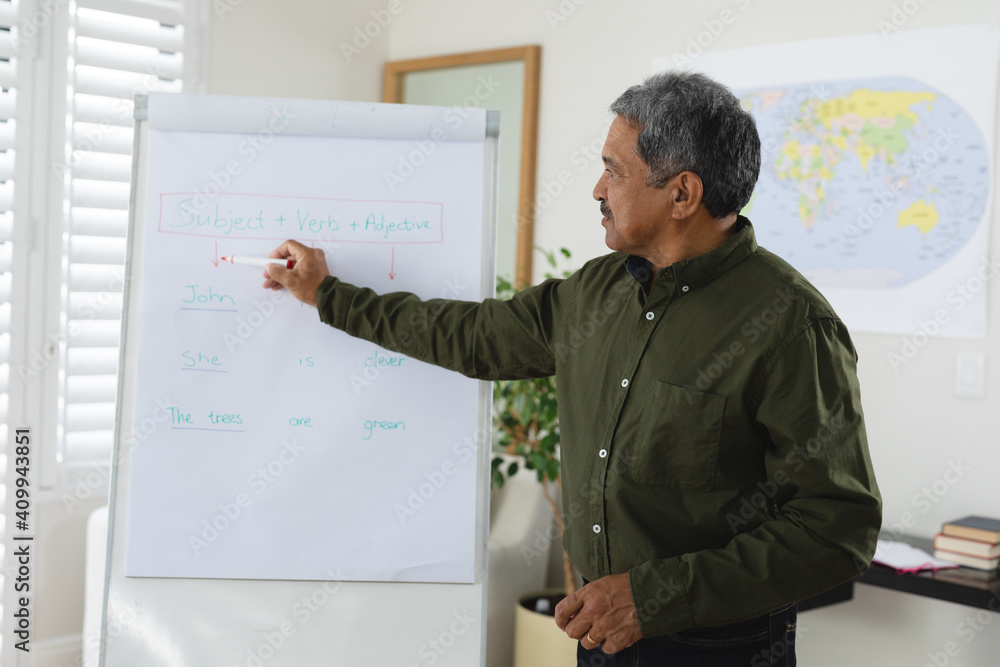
[712, 438]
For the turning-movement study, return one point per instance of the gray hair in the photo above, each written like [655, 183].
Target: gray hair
[688, 122]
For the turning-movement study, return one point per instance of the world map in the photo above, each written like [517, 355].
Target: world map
[869, 183]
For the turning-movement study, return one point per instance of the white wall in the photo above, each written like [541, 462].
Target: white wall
[916, 426]
[292, 48]
[61, 517]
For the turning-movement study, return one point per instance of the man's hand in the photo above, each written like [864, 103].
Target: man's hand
[602, 613]
[303, 279]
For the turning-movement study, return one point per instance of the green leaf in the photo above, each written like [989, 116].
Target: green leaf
[553, 469]
[512, 469]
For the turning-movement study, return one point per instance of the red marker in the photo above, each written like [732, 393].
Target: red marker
[258, 261]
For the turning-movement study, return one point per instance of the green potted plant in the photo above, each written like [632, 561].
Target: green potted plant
[526, 427]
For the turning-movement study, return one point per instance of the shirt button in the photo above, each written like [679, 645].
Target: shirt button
[603, 453]
[685, 288]
[625, 382]
[650, 315]
[597, 528]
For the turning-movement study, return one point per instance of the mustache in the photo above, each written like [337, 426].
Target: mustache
[606, 210]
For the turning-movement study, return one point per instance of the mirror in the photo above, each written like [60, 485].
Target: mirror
[505, 80]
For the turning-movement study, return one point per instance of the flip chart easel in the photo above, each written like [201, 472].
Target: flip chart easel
[283, 494]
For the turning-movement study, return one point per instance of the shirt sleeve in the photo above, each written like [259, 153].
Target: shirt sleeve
[488, 340]
[820, 497]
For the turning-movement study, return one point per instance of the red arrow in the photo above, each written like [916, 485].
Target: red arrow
[216, 260]
[392, 276]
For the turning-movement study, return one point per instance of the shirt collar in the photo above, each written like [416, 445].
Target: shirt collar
[701, 270]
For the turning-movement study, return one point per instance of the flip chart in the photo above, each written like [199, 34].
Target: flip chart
[273, 446]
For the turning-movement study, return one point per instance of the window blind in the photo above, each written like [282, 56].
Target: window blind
[117, 48]
[8, 126]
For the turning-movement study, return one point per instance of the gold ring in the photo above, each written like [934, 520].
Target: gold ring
[591, 640]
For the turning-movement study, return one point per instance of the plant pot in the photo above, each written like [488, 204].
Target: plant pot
[538, 641]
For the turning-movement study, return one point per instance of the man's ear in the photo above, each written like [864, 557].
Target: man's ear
[686, 191]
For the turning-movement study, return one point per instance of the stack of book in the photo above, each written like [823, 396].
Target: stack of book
[973, 542]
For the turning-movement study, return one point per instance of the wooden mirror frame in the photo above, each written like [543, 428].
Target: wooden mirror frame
[393, 90]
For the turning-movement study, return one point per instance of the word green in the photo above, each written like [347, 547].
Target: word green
[373, 425]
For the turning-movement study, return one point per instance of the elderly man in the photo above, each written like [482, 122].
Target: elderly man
[715, 464]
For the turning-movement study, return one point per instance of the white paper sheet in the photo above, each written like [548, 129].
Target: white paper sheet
[290, 450]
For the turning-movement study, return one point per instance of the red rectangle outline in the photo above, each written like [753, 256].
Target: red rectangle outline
[159, 225]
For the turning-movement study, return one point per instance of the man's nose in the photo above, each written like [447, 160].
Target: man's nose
[599, 190]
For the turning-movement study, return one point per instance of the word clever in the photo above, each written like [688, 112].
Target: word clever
[306, 218]
[384, 360]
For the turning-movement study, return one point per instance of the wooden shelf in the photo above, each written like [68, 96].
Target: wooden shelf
[961, 586]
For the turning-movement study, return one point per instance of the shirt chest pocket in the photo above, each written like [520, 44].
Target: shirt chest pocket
[677, 438]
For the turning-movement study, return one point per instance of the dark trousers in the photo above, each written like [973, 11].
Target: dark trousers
[765, 641]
